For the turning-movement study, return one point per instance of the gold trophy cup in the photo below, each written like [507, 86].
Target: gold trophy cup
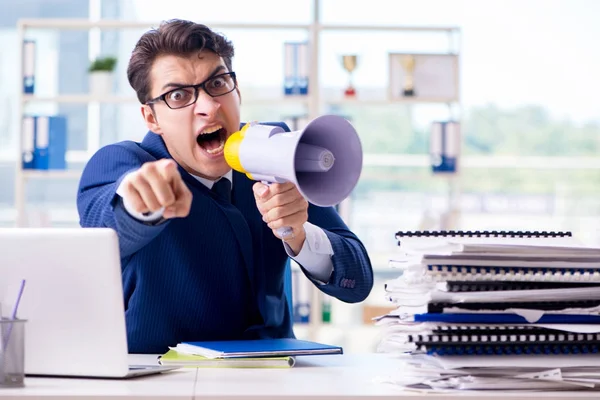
[408, 64]
[349, 62]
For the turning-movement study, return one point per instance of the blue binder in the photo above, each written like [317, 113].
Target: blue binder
[50, 142]
[28, 139]
[260, 348]
[296, 64]
[444, 146]
[28, 66]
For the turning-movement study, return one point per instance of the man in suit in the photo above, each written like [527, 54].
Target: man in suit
[200, 253]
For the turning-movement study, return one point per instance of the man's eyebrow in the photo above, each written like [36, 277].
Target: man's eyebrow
[179, 85]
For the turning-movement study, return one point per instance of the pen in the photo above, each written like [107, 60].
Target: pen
[13, 315]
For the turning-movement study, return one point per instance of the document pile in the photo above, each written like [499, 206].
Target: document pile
[494, 311]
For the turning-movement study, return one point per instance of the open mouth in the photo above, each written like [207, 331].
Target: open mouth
[212, 140]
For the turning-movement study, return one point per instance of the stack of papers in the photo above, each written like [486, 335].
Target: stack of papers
[506, 373]
[490, 310]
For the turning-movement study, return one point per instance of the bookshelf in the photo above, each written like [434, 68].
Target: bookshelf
[317, 102]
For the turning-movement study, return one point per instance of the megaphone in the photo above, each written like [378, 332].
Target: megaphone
[323, 160]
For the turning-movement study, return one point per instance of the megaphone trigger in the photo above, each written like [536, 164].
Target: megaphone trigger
[285, 233]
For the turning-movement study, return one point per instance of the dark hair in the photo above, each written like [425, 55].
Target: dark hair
[173, 37]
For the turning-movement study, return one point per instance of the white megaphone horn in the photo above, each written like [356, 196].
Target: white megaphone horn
[323, 160]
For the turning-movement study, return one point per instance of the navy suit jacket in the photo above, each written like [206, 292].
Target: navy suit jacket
[217, 274]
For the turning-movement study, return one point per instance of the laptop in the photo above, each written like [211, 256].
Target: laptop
[72, 301]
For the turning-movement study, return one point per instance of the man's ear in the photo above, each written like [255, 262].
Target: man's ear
[237, 89]
[150, 118]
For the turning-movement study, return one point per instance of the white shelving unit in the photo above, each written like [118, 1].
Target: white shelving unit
[314, 102]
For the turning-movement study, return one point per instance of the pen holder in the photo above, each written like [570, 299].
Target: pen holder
[12, 353]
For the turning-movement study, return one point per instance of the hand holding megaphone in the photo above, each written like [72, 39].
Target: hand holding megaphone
[284, 210]
[323, 160]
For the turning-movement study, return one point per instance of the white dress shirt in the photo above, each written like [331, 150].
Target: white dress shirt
[314, 256]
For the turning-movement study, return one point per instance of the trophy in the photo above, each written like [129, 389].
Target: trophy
[349, 62]
[408, 63]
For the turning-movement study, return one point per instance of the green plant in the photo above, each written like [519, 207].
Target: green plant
[103, 64]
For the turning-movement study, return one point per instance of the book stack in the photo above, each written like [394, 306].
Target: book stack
[494, 310]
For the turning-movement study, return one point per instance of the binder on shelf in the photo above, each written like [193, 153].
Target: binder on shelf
[28, 151]
[29, 66]
[326, 309]
[50, 142]
[444, 146]
[301, 290]
[296, 68]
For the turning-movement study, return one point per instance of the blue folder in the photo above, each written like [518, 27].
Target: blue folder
[258, 348]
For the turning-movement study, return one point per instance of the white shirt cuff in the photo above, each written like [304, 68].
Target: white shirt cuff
[315, 254]
[144, 217]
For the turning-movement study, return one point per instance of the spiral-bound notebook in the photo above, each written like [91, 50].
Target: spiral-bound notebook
[482, 235]
[490, 286]
[504, 318]
[535, 341]
[454, 240]
[442, 273]
[443, 349]
[495, 340]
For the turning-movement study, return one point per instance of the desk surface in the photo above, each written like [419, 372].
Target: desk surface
[313, 377]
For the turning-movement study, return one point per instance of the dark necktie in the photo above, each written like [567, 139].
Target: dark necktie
[222, 188]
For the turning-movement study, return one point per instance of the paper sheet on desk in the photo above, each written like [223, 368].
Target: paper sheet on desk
[415, 298]
[531, 361]
[503, 249]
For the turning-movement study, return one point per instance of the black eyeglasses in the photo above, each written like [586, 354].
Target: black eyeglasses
[215, 86]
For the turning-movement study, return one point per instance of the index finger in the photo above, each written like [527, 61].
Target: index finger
[183, 201]
[167, 168]
[277, 188]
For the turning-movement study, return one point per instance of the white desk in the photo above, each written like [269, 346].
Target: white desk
[314, 378]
